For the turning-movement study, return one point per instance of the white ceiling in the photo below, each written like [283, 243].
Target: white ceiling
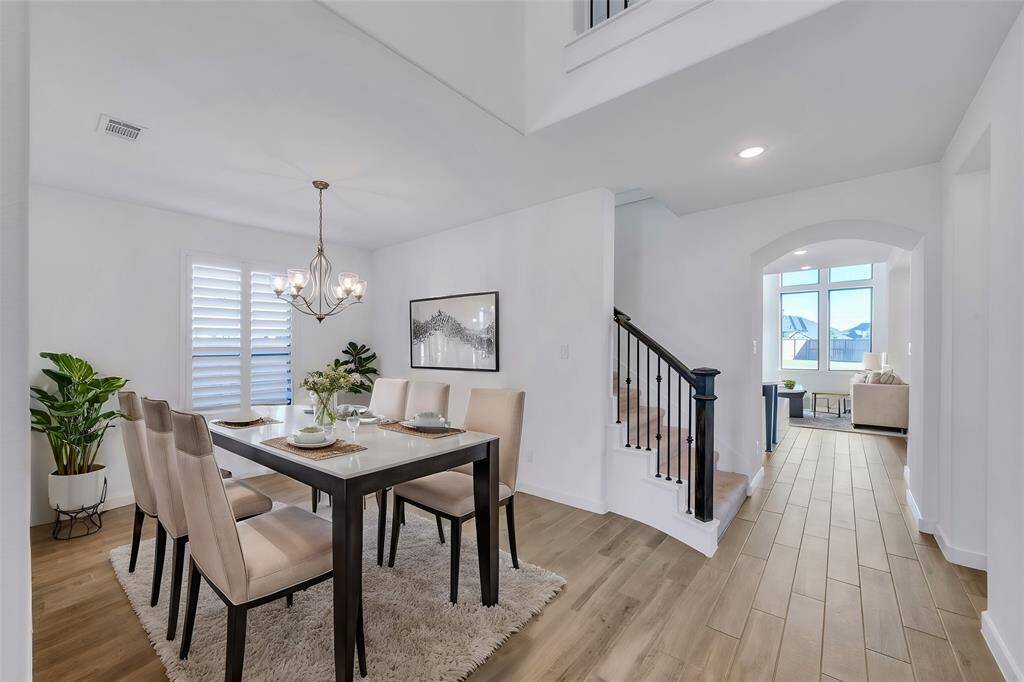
[834, 252]
[245, 103]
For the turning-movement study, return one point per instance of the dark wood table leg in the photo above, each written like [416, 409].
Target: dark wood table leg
[347, 518]
[485, 500]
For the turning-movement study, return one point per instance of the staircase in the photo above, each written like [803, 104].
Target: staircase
[657, 405]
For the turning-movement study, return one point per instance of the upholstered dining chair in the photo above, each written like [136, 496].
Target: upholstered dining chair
[247, 563]
[449, 494]
[133, 433]
[426, 396]
[245, 502]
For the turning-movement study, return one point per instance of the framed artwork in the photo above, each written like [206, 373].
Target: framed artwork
[454, 332]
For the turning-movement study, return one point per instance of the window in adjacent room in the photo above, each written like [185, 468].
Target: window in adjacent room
[849, 327]
[799, 278]
[799, 325]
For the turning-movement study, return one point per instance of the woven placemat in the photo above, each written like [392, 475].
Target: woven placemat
[337, 449]
[399, 428]
[263, 421]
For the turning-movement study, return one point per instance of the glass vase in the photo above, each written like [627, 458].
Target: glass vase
[325, 411]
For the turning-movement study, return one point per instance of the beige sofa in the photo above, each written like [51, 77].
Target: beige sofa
[880, 405]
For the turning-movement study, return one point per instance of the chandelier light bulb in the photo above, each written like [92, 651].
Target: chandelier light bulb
[348, 281]
[298, 279]
[279, 285]
[359, 290]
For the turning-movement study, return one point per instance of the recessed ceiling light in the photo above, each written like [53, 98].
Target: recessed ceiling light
[800, 252]
[751, 152]
[805, 267]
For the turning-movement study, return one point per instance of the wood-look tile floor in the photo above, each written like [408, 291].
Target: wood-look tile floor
[822, 576]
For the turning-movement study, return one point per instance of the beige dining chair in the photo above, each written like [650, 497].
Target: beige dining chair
[247, 563]
[388, 398]
[427, 396]
[133, 433]
[245, 502]
[449, 494]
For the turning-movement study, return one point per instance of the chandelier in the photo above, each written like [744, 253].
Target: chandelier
[323, 297]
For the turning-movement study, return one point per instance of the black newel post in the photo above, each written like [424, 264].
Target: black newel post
[704, 464]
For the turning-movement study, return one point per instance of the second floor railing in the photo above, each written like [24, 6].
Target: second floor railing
[642, 359]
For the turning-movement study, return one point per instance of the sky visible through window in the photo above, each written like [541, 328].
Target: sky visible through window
[850, 273]
[799, 277]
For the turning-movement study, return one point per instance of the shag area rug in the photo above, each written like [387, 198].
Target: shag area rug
[412, 631]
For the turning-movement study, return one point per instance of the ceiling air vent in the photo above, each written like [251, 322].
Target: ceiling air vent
[119, 128]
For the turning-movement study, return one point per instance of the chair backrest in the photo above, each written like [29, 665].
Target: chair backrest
[212, 534]
[498, 411]
[163, 463]
[427, 396]
[388, 397]
[133, 432]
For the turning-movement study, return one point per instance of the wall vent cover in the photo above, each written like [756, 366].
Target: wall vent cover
[119, 128]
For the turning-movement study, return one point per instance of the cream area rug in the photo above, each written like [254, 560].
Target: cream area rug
[412, 631]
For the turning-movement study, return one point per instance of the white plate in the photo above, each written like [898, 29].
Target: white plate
[425, 429]
[312, 446]
[369, 420]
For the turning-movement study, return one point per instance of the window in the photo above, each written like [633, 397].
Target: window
[271, 334]
[240, 338]
[605, 9]
[799, 325]
[799, 278]
[849, 273]
[849, 327]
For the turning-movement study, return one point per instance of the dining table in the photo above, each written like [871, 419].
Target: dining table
[390, 458]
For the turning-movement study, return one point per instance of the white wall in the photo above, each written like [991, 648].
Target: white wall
[106, 285]
[694, 282]
[15, 571]
[898, 354]
[552, 266]
[997, 111]
[821, 379]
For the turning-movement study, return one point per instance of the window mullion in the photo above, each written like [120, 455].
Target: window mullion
[245, 332]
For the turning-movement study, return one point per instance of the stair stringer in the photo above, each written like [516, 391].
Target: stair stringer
[633, 491]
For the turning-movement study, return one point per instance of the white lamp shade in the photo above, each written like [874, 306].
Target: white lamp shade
[874, 361]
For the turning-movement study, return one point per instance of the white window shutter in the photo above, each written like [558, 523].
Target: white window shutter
[216, 337]
[271, 339]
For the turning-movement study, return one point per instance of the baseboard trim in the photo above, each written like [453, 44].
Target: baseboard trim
[959, 555]
[755, 481]
[924, 525]
[578, 501]
[1004, 659]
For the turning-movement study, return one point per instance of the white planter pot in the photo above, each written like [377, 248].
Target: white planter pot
[80, 491]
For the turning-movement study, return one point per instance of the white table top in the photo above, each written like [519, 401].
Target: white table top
[385, 449]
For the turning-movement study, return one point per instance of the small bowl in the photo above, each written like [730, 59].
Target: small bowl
[309, 437]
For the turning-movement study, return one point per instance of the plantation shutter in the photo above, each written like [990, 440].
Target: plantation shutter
[271, 337]
[216, 337]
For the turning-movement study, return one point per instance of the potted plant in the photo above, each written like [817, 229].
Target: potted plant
[789, 384]
[322, 385]
[74, 422]
[358, 361]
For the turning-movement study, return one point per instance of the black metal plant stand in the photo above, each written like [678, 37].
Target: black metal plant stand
[91, 518]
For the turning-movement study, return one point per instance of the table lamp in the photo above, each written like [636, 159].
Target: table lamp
[874, 361]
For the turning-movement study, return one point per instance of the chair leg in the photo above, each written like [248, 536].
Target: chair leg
[456, 551]
[140, 516]
[440, 530]
[403, 515]
[235, 658]
[396, 525]
[316, 499]
[158, 563]
[191, 602]
[510, 517]
[290, 599]
[361, 642]
[177, 567]
[382, 521]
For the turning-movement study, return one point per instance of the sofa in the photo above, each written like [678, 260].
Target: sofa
[886, 405]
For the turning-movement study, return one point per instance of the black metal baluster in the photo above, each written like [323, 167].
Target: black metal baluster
[679, 441]
[648, 397]
[668, 431]
[638, 446]
[629, 380]
[618, 373]
[657, 439]
[689, 453]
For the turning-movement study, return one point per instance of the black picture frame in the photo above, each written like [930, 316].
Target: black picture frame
[497, 332]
